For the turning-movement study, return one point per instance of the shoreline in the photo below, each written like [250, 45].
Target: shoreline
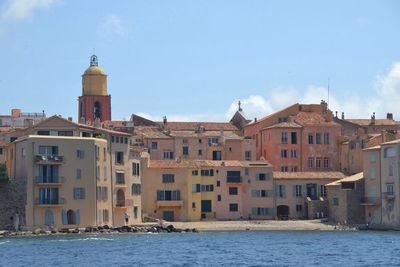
[190, 227]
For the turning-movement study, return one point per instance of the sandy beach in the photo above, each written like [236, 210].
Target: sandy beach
[298, 225]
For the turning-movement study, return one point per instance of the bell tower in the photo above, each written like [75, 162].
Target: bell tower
[94, 103]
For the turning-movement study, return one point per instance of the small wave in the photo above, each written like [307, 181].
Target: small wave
[84, 239]
[4, 242]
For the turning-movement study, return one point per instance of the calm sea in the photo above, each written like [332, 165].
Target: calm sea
[206, 249]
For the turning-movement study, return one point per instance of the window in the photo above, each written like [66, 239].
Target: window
[323, 190]
[282, 119]
[390, 170]
[280, 191]
[390, 189]
[23, 152]
[293, 169]
[78, 174]
[293, 137]
[200, 152]
[117, 139]
[168, 178]
[216, 155]
[168, 195]
[372, 173]
[135, 212]
[326, 138]
[185, 150]
[246, 171]
[310, 139]
[326, 163]
[219, 198]
[218, 183]
[310, 163]
[372, 157]
[263, 176]
[195, 172]
[284, 168]
[97, 172]
[136, 189]
[284, 137]
[43, 132]
[247, 155]
[233, 207]
[196, 188]
[298, 191]
[389, 152]
[284, 153]
[120, 178]
[65, 133]
[119, 157]
[299, 208]
[168, 155]
[261, 193]
[135, 169]
[1, 151]
[80, 154]
[318, 163]
[207, 188]
[233, 190]
[105, 173]
[48, 150]
[262, 211]
[97, 151]
[193, 205]
[112, 139]
[318, 138]
[293, 153]
[335, 201]
[200, 141]
[154, 145]
[213, 141]
[79, 193]
[125, 140]
[104, 154]
[207, 172]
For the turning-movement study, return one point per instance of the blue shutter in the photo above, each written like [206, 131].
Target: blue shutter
[64, 216]
[78, 216]
[294, 190]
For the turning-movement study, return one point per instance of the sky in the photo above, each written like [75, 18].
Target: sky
[194, 60]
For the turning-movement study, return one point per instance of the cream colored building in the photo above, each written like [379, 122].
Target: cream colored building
[114, 176]
[194, 190]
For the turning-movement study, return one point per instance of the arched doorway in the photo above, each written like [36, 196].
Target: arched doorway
[120, 198]
[71, 218]
[48, 217]
[282, 212]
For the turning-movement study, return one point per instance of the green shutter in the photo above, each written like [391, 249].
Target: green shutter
[294, 190]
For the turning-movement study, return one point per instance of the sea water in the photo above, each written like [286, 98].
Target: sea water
[250, 248]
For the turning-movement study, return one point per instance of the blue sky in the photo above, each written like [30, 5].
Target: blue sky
[193, 60]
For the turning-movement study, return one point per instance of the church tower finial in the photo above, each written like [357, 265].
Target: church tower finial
[240, 106]
[93, 61]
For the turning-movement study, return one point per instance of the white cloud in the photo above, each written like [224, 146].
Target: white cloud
[383, 99]
[112, 26]
[18, 10]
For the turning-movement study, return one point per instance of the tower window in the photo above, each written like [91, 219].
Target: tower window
[97, 110]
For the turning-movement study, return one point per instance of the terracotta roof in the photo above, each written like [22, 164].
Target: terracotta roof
[173, 164]
[225, 134]
[308, 175]
[271, 115]
[367, 122]
[283, 125]
[353, 178]
[151, 132]
[312, 118]
[208, 126]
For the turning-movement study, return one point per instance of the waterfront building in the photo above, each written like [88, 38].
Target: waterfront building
[194, 190]
[344, 197]
[298, 138]
[382, 186]
[302, 195]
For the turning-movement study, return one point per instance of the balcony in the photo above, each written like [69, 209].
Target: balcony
[49, 202]
[369, 201]
[388, 195]
[233, 179]
[49, 159]
[49, 180]
[169, 203]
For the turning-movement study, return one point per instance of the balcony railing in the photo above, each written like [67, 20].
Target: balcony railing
[49, 180]
[388, 195]
[49, 201]
[49, 159]
[169, 203]
[233, 179]
[369, 201]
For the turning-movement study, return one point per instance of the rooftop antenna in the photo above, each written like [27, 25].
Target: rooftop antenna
[328, 90]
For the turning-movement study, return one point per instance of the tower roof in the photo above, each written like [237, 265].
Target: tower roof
[94, 79]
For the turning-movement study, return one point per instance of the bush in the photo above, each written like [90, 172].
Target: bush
[3, 172]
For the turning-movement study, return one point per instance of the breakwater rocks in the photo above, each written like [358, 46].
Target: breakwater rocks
[101, 230]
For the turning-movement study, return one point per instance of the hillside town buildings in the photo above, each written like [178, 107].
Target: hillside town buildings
[302, 162]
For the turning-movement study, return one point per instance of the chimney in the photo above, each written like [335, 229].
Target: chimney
[342, 115]
[15, 112]
[373, 118]
[255, 119]
[70, 118]
[336, 114]
[165, 121]
[389, 116]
